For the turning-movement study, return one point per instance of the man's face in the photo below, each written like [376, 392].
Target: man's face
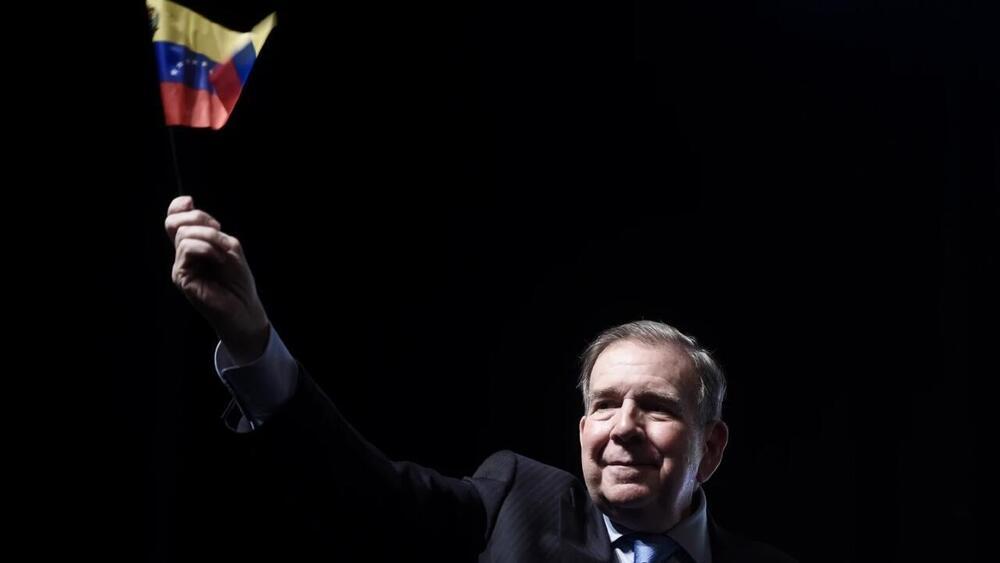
[641, 442]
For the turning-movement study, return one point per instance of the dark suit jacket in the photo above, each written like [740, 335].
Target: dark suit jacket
[345, 497]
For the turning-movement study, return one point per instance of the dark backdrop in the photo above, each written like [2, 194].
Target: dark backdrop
[443, 203]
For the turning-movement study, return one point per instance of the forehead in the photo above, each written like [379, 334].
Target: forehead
[630, 364]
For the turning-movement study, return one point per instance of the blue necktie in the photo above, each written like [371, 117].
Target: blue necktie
[651, 548]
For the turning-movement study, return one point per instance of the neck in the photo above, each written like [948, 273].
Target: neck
[652, 519]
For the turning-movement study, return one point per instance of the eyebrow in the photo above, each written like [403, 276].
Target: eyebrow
[602, 394]
[613, 392]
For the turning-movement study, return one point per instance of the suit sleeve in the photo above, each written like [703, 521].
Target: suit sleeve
[348, 495]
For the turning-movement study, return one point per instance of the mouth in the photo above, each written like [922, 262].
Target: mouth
[627, 464]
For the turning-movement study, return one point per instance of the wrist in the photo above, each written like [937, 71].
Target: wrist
[246, 346]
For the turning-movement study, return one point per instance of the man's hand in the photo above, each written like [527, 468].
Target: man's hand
[211, 271]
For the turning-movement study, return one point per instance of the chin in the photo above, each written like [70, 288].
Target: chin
[628, 495]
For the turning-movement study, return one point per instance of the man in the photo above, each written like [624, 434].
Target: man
[651, 434]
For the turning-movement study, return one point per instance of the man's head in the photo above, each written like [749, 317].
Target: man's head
[652, 428]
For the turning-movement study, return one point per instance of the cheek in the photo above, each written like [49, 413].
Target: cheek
[670, 441]
[594, 438]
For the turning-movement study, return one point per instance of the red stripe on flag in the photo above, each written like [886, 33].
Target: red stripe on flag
[227, 84]
[190, 107]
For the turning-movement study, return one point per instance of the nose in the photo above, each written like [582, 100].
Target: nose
[628, 423]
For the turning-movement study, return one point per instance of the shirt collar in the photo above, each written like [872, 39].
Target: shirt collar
[691, 532]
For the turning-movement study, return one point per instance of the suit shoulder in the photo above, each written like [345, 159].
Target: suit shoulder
[504, 465]
[765, 552]
[727, 546]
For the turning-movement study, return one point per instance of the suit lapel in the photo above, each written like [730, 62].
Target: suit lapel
[582, 533]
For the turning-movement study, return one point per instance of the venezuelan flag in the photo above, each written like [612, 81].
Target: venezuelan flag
[202, 65]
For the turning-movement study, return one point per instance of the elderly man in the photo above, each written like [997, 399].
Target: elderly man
[651, 434]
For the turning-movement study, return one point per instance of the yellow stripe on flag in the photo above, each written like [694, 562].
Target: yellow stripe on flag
[177, 24]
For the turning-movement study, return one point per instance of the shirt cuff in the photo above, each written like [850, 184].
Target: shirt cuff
[259, 388]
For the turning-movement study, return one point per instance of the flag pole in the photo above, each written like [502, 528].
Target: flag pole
[173, 157]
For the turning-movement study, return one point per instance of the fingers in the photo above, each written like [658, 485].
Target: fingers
[198, 251]
[180, 219]
[193, 256]
[211, 235]
[180, 203]
[182, 212]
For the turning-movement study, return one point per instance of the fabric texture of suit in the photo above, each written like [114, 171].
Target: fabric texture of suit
[347, 498]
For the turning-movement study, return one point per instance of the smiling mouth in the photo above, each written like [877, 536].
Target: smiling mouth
[629, 464]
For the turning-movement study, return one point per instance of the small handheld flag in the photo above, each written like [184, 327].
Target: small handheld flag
[202, 65]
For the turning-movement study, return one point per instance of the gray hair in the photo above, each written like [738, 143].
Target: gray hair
[712, 390]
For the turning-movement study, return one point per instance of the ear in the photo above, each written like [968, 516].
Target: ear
[583, 420]
[715, 436]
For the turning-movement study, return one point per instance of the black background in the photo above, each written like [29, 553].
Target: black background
[443, 204]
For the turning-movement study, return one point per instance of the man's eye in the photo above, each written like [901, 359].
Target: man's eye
[603, 405]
